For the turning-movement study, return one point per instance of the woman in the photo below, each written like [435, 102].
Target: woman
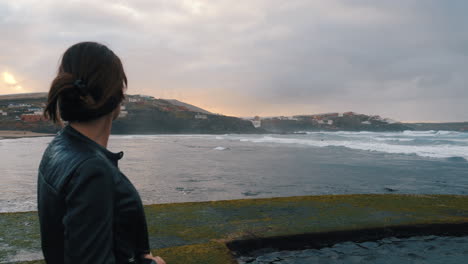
[89, 212]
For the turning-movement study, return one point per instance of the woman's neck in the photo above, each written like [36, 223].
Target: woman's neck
[97, 130]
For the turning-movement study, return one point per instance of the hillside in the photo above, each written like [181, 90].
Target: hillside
[189, 106]
[140, 115]
[148, 115]
[348, 121]
[23, 96]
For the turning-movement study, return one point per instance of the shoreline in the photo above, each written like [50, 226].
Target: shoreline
[13, 134]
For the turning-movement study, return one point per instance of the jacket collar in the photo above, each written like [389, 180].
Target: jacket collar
[112, 156]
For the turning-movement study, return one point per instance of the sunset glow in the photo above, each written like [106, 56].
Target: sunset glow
[9, 79]
[9, 84]
[258, 57]
[196, 7]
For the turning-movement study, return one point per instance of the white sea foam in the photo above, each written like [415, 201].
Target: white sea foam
[220, 148]
[393, 139]
[160, 136]
[388, 142]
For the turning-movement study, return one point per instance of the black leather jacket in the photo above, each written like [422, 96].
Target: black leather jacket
[89, 211]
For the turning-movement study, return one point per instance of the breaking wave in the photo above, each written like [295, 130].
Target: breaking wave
[434, 144]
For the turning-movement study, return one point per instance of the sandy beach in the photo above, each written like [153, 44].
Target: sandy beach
[20, 134]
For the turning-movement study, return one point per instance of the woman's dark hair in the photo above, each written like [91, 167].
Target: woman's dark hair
[90, 83]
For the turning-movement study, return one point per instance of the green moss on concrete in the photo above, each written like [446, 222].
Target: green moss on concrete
[189, 224]
[30, 262]
[18, 231]
[207, 253]
[199, 222]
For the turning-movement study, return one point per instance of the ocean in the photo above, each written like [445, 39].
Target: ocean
[187, 168]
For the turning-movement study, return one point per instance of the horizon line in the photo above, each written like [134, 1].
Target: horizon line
[247, 117]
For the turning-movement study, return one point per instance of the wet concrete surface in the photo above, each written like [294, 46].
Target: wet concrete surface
[422, 249]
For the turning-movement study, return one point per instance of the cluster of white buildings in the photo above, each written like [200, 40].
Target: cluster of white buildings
[321, 119]
[138, 98]
[18, 105]
[22, 112]
[201, 116]
[123, 111]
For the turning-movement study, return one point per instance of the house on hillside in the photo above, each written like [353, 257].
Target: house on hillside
[18, 105]
[123, 112]
[256, 123]
[32, 118]
[35, 109]
[200, 116]
[133, 100]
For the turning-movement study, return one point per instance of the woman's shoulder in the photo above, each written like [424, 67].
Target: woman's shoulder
[94, 166]
[67, 156]
[96, 162]
[93, 171]
[62, 156]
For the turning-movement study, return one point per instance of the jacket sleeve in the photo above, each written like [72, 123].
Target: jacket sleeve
[142, 245]
[88, 218]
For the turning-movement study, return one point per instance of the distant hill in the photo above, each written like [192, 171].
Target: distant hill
[26, 96]
[23, 96]
[349, 121]
[189, 106]
[141, 115]
[148, 115]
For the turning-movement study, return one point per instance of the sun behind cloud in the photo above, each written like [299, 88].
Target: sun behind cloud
[8, 78]
[10, 84]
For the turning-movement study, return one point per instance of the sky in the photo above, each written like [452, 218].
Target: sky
[402, 59]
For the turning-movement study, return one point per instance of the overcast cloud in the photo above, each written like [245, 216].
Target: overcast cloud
[403, 59]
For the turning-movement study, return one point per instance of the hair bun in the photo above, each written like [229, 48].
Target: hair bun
[89, 84]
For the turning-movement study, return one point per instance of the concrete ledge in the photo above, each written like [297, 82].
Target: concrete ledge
[327, 239]
[201, 232]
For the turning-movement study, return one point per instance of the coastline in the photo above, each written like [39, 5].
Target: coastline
[12, 134]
